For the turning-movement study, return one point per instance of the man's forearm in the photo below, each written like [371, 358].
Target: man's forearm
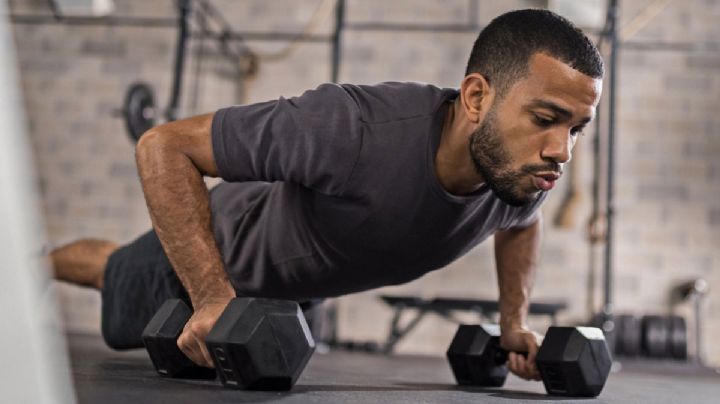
[516, 253]
[179, 206]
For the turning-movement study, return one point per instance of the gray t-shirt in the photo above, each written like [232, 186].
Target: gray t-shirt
[335, 192]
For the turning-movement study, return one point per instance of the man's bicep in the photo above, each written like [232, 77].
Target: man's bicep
[190, 136]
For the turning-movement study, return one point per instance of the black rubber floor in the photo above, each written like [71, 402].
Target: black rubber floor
[107, 377]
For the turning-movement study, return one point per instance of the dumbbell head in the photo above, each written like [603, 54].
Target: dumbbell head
[160, 339]
[475, 356]
[260, 344]
[574, 361]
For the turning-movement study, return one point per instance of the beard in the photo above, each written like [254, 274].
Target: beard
[493, 162]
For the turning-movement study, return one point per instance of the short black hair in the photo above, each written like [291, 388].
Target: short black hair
[503, 49]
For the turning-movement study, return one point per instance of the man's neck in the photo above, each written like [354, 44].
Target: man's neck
[453, 165]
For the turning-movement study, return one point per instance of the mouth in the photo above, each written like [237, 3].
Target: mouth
[545, 181]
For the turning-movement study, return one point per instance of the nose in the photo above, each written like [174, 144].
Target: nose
[558, 147]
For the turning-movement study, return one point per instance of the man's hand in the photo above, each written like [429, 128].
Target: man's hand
[521, 340]
[192, 340]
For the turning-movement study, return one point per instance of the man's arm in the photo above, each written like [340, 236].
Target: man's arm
[516, 253]
[172, 160]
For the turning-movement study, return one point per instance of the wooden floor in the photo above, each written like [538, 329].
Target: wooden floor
[106, 377]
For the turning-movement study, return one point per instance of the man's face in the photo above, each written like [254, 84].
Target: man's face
[527, 136]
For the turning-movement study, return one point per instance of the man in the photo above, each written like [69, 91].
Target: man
[347, 188]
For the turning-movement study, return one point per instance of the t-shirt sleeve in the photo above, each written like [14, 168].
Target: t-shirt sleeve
[528, 214]
[313, 140]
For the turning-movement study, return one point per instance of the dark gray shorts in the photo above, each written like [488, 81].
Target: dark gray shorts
[138, 279]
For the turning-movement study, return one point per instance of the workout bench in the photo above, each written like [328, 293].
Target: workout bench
[445, 306]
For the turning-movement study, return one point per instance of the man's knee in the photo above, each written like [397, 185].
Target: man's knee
[120, 338]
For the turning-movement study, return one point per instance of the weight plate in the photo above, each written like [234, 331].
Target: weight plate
[629, 335]
[677, 341]
[655, 336]
[139, 110]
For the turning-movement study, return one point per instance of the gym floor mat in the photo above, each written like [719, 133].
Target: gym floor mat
[105, 376]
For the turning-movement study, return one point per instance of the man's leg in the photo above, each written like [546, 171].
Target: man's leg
[82, 262]
[134, 280]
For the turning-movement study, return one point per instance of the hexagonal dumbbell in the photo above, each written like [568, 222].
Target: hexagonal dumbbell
[259, 344]
[573, 361]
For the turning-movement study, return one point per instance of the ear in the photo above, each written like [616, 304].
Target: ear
[476, 96]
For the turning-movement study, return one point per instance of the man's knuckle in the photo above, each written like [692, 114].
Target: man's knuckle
[199, 328]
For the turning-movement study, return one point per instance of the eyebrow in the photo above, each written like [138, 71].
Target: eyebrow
[565, 113]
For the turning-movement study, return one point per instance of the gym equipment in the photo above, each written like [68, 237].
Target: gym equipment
[356, 346]
[446, 307]
[573, 361]
[655, 336]
[628, 336]
[260, 344]
[139, 110]
[257, 344]
[677, 338]
[694, 291]
[160, 338]
[475, 356]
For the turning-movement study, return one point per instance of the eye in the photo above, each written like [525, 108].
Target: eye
[578, 130]
[543, 121]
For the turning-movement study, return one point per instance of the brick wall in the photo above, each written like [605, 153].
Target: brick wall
[668, 179]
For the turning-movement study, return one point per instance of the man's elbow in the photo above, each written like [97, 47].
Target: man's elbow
[187, 141]
[149, 148]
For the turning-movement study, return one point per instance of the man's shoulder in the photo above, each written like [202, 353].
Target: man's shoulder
[394, 100]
